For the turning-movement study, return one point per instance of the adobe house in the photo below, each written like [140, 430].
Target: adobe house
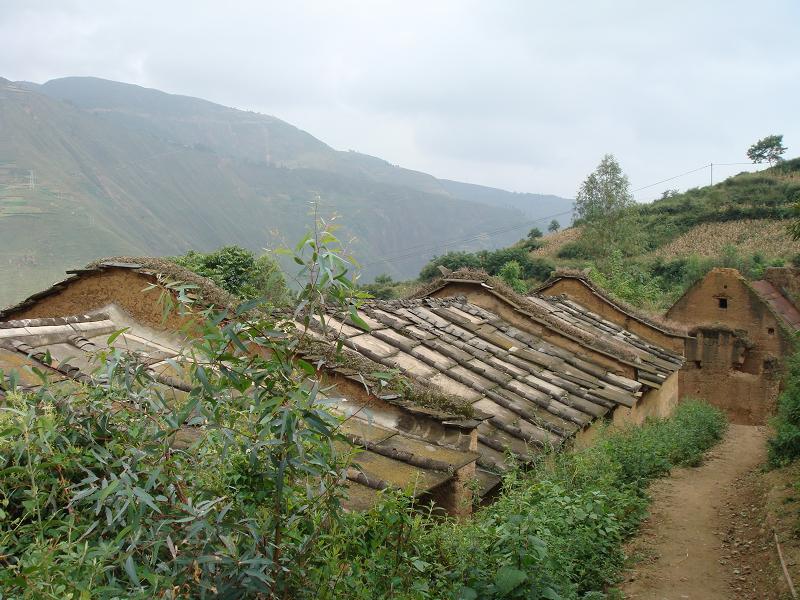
[741, 332]
[577, 286]
[572, 327]
[404, 439]
[532, 382]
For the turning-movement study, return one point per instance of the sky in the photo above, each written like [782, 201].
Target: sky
[522, 95]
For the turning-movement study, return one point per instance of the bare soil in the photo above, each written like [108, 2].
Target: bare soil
[708, 536]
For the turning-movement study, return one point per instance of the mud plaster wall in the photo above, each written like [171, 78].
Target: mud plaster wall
[122, 287]
[657, 403]
[485, 299]
[736, 372]
[582, 294]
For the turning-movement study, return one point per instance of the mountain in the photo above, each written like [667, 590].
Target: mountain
[90, 167]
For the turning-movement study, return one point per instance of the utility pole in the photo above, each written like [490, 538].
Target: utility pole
[712, 172]
[31, 181]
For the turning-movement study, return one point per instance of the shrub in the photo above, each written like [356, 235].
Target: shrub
[575, 251]
[784, 445]
[554, 532]
[239, 272]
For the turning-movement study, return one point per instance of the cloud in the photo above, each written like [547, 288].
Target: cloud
[523, 95]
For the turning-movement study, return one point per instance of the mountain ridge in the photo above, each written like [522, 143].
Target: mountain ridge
[90, 167]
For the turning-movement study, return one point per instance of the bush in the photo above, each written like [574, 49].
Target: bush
[239, 272]
[784, 445]
[575, 251]
[491, 261]
[554, 532]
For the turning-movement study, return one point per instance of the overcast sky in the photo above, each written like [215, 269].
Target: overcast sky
[523, 95]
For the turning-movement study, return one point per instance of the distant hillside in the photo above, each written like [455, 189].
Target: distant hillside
[92, 168]
[766, 195]
[534, 206]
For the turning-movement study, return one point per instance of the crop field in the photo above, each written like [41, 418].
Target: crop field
[749, 236]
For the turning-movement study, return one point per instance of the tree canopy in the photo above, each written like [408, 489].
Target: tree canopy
[768, 149]
[603, 203]
[239, 271]
[554, 226]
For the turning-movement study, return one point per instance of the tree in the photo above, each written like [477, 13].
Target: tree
[669, 194]
[604, 203]
[554, 226]
[511, 273]
[534, 233]
[238, 271]
[768, 149]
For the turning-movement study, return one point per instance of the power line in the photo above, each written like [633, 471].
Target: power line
[670, 178]
[709, 165]
[414, 251]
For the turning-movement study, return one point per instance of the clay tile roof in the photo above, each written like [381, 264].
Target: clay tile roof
[779, 304]
[633, 312]
[531, 394]
[653, 363]
[65, 349]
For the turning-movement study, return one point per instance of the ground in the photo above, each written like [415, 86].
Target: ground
[710, 532]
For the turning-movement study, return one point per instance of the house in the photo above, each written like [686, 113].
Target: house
[431, 451]
[741, 332]
[577, 286]
[536, 374]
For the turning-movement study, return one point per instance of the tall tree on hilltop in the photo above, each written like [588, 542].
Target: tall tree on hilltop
[604, 204]
[554, 226]
[767, 149]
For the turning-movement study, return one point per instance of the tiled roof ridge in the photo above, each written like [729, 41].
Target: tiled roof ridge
[208, 291]
[51, 321]
[662, 325]
[529, 307]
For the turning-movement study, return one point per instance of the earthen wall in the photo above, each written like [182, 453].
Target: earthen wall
[734, 359]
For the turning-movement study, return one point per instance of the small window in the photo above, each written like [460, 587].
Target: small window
[771, 331]
[698, 364]
[723, 302]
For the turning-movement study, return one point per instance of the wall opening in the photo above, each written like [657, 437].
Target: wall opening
[723, 302]
[771, 331]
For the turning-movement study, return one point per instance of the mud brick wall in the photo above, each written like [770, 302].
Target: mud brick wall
[734, 359]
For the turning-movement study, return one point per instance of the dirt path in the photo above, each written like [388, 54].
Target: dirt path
[705, 538]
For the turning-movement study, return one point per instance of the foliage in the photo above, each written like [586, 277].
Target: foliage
[627, 282]
[382, 288]
[491, 261]
[603, 203]
[240, 272]
[534, 233]
[553, 226]
[769, 149]
[511, 273]
[578, 249]
[110, 491]
[554, 532]
[783, 446]
[453, 261]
